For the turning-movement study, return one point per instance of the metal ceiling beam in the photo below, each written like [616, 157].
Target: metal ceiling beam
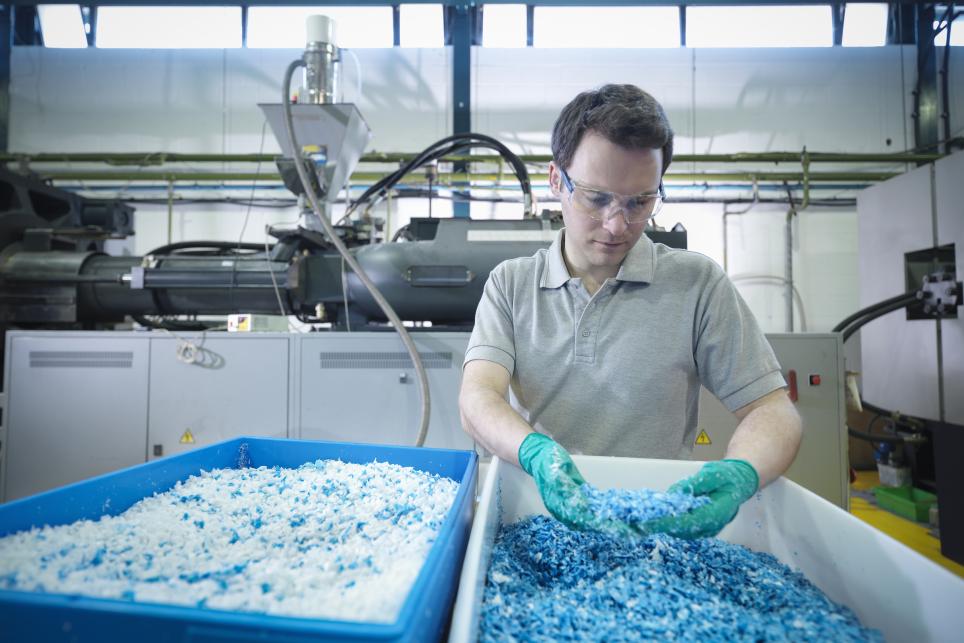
[449, 3]
[147, 159]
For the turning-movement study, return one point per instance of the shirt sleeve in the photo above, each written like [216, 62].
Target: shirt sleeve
[733, 357]
[493, 338]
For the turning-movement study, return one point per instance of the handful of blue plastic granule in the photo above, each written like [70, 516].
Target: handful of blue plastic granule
[549, 583]
[636, 506]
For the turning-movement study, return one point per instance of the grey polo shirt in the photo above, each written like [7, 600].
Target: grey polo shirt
[619, 373]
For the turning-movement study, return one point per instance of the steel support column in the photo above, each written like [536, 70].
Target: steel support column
[6, 49]
[927, 110]
[837, 13]
[89, 15]
[461, 30]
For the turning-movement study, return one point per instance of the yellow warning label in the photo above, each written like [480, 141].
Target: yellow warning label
[188, 438]
[703, 438]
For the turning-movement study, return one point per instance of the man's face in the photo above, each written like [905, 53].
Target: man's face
[599, 247]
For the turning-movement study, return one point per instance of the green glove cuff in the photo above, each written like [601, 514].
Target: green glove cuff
[750, 478]
[531, 447]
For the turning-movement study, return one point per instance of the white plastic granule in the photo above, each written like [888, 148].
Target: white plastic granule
[327, 540]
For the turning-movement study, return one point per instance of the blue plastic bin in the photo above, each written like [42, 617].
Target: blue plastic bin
[26, 616]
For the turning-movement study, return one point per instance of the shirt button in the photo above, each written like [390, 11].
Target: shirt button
[586, 333]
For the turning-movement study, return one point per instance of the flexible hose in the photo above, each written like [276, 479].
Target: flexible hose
[204, 245]
[879, 312]
[783, 280]
[873, 308]
[350, 259]
[874, 437]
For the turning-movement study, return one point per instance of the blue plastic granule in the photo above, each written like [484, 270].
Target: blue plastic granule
[548, 583]
[636, 506]
[262, 540]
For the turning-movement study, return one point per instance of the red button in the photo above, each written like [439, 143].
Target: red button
[814, 380]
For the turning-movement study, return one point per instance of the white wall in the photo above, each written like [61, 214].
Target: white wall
[840, 99]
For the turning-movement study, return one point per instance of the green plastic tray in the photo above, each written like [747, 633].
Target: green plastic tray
[909, 502]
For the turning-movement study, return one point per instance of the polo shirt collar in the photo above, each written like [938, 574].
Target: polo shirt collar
[638, 266]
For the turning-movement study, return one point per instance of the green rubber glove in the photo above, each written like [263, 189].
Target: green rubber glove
[560, 485]
[728, 484]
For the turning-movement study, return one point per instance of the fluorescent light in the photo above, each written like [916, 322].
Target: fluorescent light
[169, 27]
[62, 25]
[759, 26]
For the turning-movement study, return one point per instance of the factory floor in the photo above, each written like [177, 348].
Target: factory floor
[915, 535]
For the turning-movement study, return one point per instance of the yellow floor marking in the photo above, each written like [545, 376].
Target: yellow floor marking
[915, 535]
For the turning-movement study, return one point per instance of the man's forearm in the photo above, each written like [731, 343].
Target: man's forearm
[493, 423]
[768, 438]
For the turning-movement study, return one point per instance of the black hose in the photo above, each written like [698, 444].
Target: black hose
[170, 324]
[455, 143]
[205, 245]
[880, 312]
[872, 308]
[907, 421]
[874, 437]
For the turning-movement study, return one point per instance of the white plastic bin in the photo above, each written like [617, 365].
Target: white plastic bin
[888, 586]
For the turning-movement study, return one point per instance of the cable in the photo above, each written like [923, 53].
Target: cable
[347, 256]
[254, 182]
[878, 310]
[274, 283]
[229, 246]
[454, 144]
[875, 437]
[853, 328]
[907, 296]
[774, 278]
[344, 293]
[358, 74]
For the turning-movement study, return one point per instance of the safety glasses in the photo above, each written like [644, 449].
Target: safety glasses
[601, 205]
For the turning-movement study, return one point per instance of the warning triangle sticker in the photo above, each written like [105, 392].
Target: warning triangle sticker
[188, 438]
[703, 438]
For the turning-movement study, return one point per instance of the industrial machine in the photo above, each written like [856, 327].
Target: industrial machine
[352, 386]
[171, 391]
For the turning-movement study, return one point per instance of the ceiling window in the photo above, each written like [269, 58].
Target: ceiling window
[420, 25]
[169, 27]
[630, 27]
[504, 25]
[62, 25]
[865, 25]
[355, 27]
[759, 26]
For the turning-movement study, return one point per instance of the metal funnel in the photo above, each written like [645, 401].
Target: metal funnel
[338, 128]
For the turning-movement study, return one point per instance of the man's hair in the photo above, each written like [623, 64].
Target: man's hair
[623, 114]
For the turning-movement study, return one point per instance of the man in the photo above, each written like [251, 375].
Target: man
[605, 337]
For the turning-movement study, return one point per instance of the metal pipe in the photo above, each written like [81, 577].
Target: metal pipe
[789, 267]
[451, 177]
[160, 158]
